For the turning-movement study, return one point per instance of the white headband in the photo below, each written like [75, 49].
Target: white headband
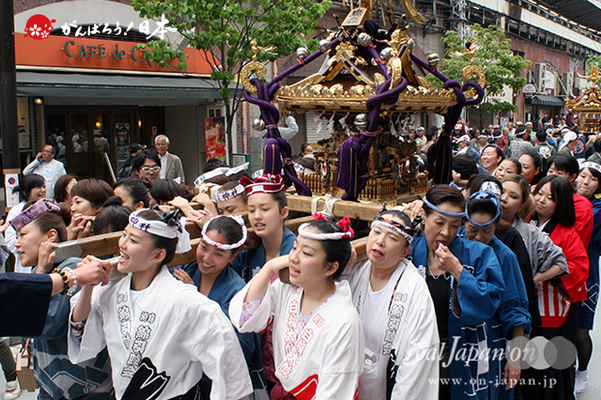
[385, 224]
[224, 246]
[230, 194]
[160, 228]
[492, 187]
[220, 171]
[323, 236]
[591, 165]
[210, 174]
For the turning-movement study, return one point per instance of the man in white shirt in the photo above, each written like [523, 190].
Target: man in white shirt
[171, 165]
[45, 165]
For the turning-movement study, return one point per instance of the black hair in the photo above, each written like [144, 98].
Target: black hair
[562, 194]
[565, 163]
[541, 135]
[336, 250]
[465, 166]
[398, 215]
[281, 198]
[60, 188]
[476, 181]
[27, 184]
[484, 206]
[213, 163]
[165, 190]
[229, 229]
[538, 163]
[113, 217]
[441, 194]
[597, 146]
[160, 242]
[137, 190]
[138, 161]
[516, 164]
[519, 131]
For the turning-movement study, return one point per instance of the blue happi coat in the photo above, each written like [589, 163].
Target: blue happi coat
[227, 284]
[479, 291]
[249, 262]
[587, 316]
[513, 310]
[57, 376]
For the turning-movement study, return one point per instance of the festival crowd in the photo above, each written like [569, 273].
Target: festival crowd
[506, 253]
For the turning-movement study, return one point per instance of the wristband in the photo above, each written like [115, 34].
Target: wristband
[73, 286]
[65, 280]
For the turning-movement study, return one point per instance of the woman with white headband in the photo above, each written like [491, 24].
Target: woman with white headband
[222, 239]
[156, 328]
[482, 214]
[465, 282]
[589, 186]
[399, 319]
[317, 336]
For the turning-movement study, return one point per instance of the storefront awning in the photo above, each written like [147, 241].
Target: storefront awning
[544, 100]
[114, 86]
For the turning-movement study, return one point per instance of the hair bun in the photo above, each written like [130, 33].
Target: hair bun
[113, 201]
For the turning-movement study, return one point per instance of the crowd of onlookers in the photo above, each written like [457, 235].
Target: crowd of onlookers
[510, 249]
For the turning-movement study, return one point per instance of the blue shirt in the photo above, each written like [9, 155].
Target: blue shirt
[249, 262]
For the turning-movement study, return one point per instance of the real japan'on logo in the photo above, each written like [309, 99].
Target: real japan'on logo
[38, 27]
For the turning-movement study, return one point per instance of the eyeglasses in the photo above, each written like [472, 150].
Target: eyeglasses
[151, 169]
[160, 144]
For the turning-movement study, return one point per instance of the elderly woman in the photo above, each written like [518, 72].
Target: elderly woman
[465, 282]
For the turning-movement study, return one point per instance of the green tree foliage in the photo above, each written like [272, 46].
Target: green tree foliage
[593, 62]
[225, 29]
[493, 54]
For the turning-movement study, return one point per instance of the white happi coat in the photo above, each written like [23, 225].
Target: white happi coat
[411, 331]
[325, 362]
[178, 329]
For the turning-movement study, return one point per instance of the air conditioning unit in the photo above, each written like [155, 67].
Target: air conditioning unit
[539, 72]
[567, 81]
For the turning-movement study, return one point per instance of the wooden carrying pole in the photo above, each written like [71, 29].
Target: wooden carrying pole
[107, 244]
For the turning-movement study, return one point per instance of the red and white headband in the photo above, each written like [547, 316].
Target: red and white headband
[264, 184]
[344, 224]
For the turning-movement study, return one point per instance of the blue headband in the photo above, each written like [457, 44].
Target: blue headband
[448, 214]
[484, 195]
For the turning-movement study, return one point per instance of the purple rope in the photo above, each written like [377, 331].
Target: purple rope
[479, 91]
[275, 145]
[374, 54]
[425, 65]
[298, 66]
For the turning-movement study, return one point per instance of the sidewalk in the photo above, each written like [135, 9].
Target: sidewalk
[25, 395]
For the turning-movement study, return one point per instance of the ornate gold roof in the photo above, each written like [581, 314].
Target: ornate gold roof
[346, 81]
[586, 108]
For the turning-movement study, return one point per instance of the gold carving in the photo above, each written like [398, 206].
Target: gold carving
[395, 70]
[247, 70]
[468, 73]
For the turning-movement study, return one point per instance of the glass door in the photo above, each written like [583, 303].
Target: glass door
[123, 125]
[78, 146]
